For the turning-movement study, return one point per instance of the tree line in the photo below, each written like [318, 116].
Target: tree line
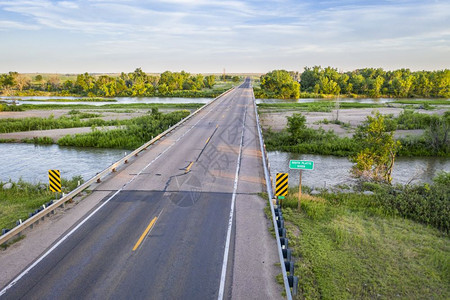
[136, 83]
[368, 82]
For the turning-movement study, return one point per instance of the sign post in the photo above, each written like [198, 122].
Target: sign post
[281, 186]
[54, 179]
[300, 165]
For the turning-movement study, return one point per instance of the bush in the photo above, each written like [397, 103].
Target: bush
[426, 203]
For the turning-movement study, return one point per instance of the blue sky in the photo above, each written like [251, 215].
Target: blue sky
[210, 35]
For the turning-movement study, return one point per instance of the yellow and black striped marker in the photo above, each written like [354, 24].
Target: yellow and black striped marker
[54, 178]
[281, 184]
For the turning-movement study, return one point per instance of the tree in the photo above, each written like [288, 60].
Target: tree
[209, 81]
[280, 84]
[22, 81]
[438, 134]
[376, 160]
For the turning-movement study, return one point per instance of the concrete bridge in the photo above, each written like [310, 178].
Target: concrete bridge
[181, 221]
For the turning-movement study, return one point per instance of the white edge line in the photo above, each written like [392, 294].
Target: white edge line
[12, 283]
[230, 219]
[270, 195]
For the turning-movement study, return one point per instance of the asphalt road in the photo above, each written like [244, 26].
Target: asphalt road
[162, 231]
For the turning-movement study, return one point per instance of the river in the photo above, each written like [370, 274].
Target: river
[31, 163]
[129, 100]
[332, 170]
[119, 100]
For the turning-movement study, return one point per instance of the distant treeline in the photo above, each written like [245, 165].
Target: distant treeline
[136, 83]
[368, 82]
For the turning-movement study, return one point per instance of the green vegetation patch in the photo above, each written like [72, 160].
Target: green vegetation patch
[298, 138]
[72, 100]
[36, 123]
[352, 246]
[321, 106]
[23, 198]
[136, 132]
[113, 106]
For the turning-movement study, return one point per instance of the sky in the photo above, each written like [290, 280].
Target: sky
[251, 36]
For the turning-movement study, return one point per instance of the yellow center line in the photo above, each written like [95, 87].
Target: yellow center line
[145, 233]
[189, 167]
[207, 140]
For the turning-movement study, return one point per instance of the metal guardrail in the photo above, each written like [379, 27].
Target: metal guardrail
[269, 186]
[97, 178]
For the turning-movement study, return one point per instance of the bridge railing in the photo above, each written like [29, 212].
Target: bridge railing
[97, 178]
[288, 280]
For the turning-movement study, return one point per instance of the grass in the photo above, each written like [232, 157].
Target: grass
[23, 198]
[345, 246]
[71, 100]
[44, 140]
[36, 123]
[136, 132]
[113, 106]
[319, 106]
[423, 102]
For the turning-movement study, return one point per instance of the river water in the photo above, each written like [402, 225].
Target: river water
[129, 100]
[118, 100]
[332, 170]
[31, 163]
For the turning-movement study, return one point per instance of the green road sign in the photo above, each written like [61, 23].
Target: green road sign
[301, 164]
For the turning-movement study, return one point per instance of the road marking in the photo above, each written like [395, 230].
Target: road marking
[189, 167]
[152, 222]
[207, 140]
[12, 283]
[230, 218]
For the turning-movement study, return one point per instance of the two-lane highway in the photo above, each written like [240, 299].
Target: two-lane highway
[165, 229]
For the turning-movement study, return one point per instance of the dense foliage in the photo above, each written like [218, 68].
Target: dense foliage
[376, 160]
[369, 82]
[299, 138]
[279, 84]
[348, 245]
[137, 83]
[23, 198]
[425, 203]
[376, 82]
[36, 123]
[134, 134]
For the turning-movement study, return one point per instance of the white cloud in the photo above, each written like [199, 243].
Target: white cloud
[208, 29]
[12, 25]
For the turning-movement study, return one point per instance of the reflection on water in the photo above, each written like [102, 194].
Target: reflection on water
[31, 163]
[117, 100]
[351, 100]
[332, 170]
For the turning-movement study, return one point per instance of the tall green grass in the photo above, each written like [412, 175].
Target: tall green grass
[134, 134]
[320, 106]
[355, 246]
[35, 123]
[23, 198]
[112, 106]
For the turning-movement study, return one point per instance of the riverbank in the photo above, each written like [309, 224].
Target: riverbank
[19, 199]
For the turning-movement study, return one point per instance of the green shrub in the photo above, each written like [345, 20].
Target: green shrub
[425, 203]
[134, 134]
